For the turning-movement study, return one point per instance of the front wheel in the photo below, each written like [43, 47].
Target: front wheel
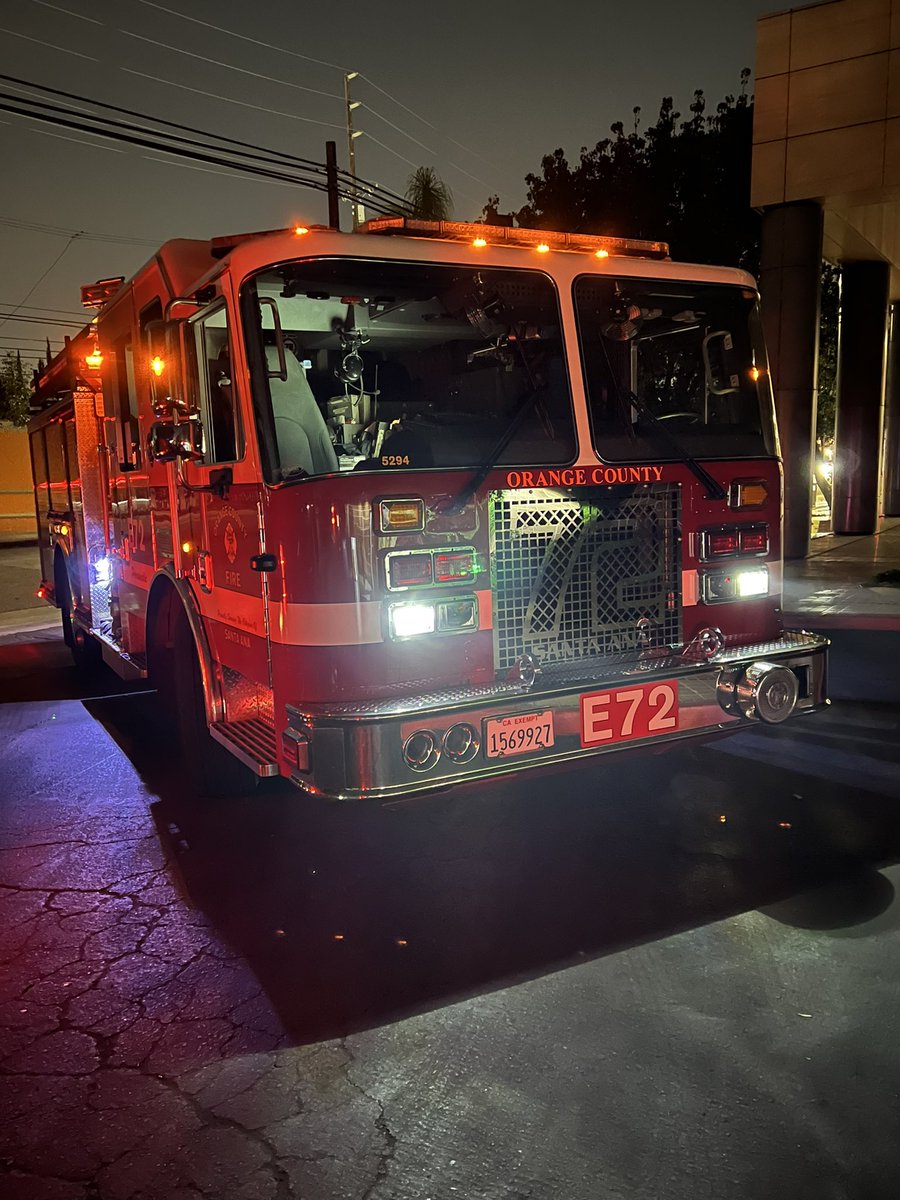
[210, 769]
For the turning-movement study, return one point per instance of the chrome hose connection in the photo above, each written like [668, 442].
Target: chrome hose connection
[763, 691]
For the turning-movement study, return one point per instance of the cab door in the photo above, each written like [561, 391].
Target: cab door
[219, 504]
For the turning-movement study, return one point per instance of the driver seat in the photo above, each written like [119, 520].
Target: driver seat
[302, 434]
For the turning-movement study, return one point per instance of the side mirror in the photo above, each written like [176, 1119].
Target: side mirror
[169, 440]
[719, 359]
[161, 442]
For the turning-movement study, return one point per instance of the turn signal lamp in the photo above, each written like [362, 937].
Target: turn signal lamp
[94, 360]
[401, 516]
[157, 365]
[299, 230]
[64, 530]
[542, 248]
[748, 493]
[601, 254]
[479, 242]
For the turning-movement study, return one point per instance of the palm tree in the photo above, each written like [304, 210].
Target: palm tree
[428, 195]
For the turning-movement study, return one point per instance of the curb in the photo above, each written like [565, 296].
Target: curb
[875, 622]
[28, 620]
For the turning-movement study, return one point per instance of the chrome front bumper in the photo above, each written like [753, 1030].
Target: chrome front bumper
[357, 751]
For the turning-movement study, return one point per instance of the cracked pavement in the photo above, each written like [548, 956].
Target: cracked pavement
[669, 976]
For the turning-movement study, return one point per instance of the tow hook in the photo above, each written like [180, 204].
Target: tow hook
[761, 692]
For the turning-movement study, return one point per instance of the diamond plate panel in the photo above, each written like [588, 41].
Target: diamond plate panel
[585, 575]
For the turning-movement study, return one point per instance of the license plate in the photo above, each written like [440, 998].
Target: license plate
[505, 737]
[644, 710]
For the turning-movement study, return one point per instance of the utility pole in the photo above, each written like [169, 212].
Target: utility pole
[331, 177]
[356, 208]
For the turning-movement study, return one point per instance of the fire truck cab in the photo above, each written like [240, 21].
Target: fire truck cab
[386, 511]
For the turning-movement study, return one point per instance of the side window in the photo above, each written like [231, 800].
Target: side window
[211, 347]
[125, 402]
[56, 464]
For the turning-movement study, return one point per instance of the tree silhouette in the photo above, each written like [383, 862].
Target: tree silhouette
[428, 195]
[14, 390]
[686, 182]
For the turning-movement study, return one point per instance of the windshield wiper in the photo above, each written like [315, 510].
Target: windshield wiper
[525, 405]
[714, 489]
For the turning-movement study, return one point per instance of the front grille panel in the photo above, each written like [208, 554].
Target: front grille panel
[587, 574]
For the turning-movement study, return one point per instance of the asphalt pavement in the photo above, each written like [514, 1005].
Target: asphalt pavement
[668, 976]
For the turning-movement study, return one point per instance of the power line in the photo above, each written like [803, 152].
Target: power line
[267, 152]
[27, 89]
[15, 337]
[380, 117]
[333, 66]
[63, 137]
[49, 45]
[50, 321]
[228, 67]
[372, 138]
[115, 131]
[67, 11]
[40, 279]
[59, 231]
[256, 42]
[378, 88]
[69, 312]
[228, 173]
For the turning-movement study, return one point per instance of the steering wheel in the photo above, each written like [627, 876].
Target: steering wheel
[692, 418]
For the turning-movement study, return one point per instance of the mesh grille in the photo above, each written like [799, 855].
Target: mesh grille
[586, 575]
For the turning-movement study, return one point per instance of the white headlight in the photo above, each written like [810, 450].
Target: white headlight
[411, 620]
[753, 583]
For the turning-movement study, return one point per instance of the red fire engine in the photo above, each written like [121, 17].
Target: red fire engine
[424, 503]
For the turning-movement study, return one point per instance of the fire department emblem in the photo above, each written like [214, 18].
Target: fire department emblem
[231, 543]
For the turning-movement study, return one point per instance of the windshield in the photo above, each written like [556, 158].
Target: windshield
[377, 366]
[692, 355]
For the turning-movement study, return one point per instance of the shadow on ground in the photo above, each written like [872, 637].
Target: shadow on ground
[352, 916]
[356, 915]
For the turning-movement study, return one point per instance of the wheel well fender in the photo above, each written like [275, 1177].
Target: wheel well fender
[171, 600]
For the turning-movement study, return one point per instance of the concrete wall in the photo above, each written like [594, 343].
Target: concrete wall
[827, 116]
[16, 493]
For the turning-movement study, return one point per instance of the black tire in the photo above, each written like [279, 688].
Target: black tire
[85, 650]
[211, 771]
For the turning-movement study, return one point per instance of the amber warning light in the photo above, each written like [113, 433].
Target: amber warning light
[541, 240]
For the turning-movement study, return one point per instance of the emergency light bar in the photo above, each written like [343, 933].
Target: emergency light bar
[480, 235]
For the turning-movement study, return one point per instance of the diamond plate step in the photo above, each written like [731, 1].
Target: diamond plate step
[253, 742]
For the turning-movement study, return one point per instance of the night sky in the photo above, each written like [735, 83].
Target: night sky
[484, 89]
